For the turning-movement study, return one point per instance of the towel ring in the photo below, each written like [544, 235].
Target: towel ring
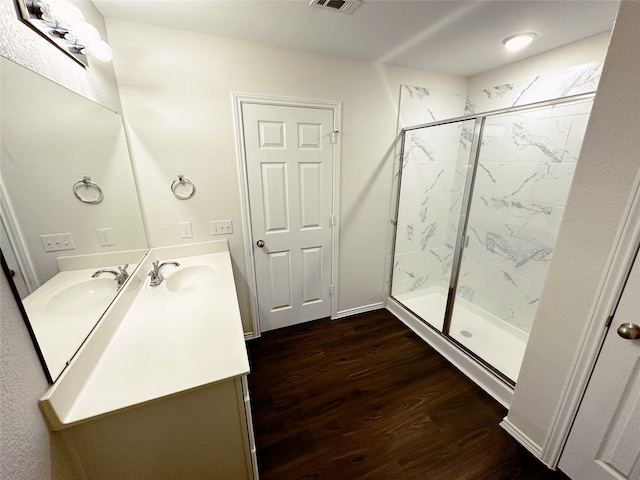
[183, 181]
[87, 183]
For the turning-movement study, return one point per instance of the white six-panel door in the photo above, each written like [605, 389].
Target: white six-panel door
[604, 442]
[289, 155]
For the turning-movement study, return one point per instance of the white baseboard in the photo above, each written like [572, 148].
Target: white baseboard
[522, 438]
[482, 377]
[250, 336]
[357, 310]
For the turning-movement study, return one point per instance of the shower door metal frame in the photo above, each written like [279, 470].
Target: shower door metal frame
[459, 247]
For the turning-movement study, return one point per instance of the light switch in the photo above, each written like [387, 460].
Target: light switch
[57, 242]
[221, 227]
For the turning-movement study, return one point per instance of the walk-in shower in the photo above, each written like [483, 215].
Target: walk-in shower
[479, 206]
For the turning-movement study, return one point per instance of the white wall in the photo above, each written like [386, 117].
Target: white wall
[27, 449]
[604, 179]
[176, 89]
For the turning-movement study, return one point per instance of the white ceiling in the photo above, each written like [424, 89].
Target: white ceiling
[452, 36]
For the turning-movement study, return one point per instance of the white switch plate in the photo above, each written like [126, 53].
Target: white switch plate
[57, 241]
[221, 227]
[185, 230]
[104, 237]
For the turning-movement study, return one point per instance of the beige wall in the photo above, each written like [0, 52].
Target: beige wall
[605, 178]
[176, 89]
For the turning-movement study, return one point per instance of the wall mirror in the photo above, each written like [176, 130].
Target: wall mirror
[53, 140]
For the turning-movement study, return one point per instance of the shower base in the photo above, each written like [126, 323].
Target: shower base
[495, 341]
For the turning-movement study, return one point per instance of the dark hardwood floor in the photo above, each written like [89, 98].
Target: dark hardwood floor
[365, 398]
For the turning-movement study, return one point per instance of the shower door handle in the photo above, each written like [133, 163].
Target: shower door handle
[630, 331]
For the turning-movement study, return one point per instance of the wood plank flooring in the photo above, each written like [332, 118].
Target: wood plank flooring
[365, 398]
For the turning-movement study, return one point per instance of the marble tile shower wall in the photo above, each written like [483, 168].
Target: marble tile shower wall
[422, 257]
[525, 171]
[525, 168]
[558, 84]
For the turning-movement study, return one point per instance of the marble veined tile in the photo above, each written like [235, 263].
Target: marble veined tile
[421, 269]
[423, 208]
[470, 104]
[427, 177]
[420, 237]
[519, 257]
[433, 144]
[420, 105]
[541, 183]
[542, 140]
[512, 298]
[557, 84]
[494, 98]
[517, 138]
[575, 138]
[523, 220]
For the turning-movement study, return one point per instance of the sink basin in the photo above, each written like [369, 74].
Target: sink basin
[190, 278]
[82, 295]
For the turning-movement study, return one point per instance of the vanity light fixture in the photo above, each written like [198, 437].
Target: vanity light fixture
[64, 25]
[518, 41]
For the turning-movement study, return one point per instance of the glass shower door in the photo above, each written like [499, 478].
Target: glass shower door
[522, 178]
[435, 164]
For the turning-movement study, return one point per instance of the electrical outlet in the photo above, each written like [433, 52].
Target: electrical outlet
[221, 227]
[57, 242]
[104, 237]
[185, 230]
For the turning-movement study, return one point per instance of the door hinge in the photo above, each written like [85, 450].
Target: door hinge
[334, 137]
[332, 221]
[331, 290]
[466, 241]
[609, 321]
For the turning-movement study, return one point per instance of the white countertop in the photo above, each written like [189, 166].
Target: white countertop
[154, 342]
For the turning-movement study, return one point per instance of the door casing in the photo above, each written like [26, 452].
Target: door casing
[336, 107]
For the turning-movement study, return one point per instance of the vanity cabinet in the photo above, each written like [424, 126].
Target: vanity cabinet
[204, 433]
[159, 389]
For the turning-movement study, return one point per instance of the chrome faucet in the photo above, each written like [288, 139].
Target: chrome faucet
[156, 274]
[120, 276]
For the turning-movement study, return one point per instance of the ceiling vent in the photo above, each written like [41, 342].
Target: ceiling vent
[339, 5]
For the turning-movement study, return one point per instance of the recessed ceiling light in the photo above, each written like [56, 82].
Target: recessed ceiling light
[518, 41]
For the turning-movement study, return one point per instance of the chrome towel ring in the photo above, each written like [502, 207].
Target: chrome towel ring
[186, 184]
[87, 184]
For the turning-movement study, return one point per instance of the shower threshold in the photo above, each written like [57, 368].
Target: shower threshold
[497, 342]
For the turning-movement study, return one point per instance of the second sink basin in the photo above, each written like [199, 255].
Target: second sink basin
[81, 296]
[190, 278]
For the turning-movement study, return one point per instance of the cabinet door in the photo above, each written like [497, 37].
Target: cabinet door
[200, 433]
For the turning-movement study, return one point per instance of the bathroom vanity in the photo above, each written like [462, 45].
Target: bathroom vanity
[159, 388]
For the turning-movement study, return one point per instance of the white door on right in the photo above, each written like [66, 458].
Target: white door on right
[604, 442]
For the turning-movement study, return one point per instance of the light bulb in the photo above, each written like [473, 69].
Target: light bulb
[99, 49]
[82, 32]
[62, 11]
[519, 41]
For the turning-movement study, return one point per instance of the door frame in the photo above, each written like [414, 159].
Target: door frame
[611, 287]
[240, 99]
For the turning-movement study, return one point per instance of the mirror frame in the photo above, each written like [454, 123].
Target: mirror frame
[53, 371]
[25, 318]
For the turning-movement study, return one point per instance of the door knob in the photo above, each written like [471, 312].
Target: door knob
[630, 331]
[260, 243]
